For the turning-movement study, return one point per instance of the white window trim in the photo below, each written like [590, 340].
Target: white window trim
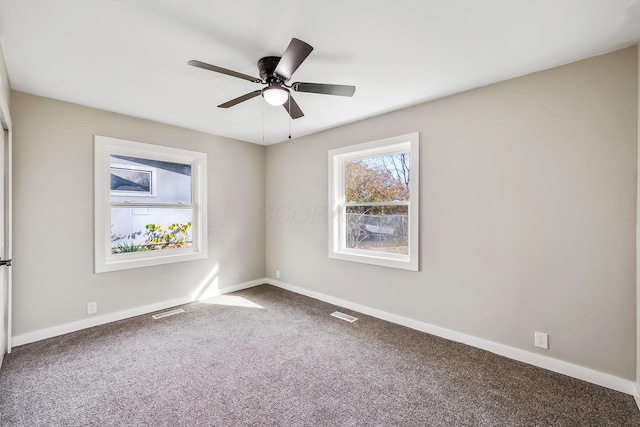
[337, 241]
[106, 261]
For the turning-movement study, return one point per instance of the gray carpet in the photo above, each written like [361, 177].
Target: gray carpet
[286, 364]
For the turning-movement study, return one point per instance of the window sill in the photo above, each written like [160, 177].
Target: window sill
[116, 263]
[381, 259]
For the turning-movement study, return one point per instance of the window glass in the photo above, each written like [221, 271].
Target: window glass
[378, 179]
[378, 228]
[142, 228]
[368, 182]
[138, 180]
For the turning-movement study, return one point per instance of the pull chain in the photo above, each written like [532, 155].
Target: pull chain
[289, 116]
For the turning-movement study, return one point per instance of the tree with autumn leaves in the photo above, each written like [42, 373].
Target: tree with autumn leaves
[378, 179]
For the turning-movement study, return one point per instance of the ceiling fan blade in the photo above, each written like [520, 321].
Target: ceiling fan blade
[292, 108]
[326, 89]
[221, 70]
[240, 99]
[296, 52]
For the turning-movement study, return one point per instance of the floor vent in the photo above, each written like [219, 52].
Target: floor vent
[344, 316]
[167, 313]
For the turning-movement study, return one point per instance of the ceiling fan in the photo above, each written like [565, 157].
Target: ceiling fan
[275, 72]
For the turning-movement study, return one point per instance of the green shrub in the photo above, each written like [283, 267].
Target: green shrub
[174, 236]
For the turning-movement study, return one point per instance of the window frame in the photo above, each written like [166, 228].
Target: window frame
[105, 260]
[337, 204]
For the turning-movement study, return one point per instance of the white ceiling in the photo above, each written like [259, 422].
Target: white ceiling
[130, 56]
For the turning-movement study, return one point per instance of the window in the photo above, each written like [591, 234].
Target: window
[373, 202]
[150, 204]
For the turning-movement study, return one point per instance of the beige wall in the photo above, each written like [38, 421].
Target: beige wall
[53, 275]
[528, 212]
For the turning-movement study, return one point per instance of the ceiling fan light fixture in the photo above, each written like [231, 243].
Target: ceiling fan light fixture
[275, 95]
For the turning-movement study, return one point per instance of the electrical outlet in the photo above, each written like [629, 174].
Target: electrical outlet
[92, 307]
[277, 274]
[542, 340]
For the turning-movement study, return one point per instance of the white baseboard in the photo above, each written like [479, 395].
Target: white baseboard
[66, 328]
[555, 365]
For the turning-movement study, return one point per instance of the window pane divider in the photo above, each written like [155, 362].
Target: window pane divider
[394, 203]
[152, 205]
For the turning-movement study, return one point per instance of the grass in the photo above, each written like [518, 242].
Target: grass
[126, 247]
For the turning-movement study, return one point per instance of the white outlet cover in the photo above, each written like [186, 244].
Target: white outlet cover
[541, 340]
[92, 308]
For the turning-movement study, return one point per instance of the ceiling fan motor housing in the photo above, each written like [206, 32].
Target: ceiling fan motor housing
[267, 67]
